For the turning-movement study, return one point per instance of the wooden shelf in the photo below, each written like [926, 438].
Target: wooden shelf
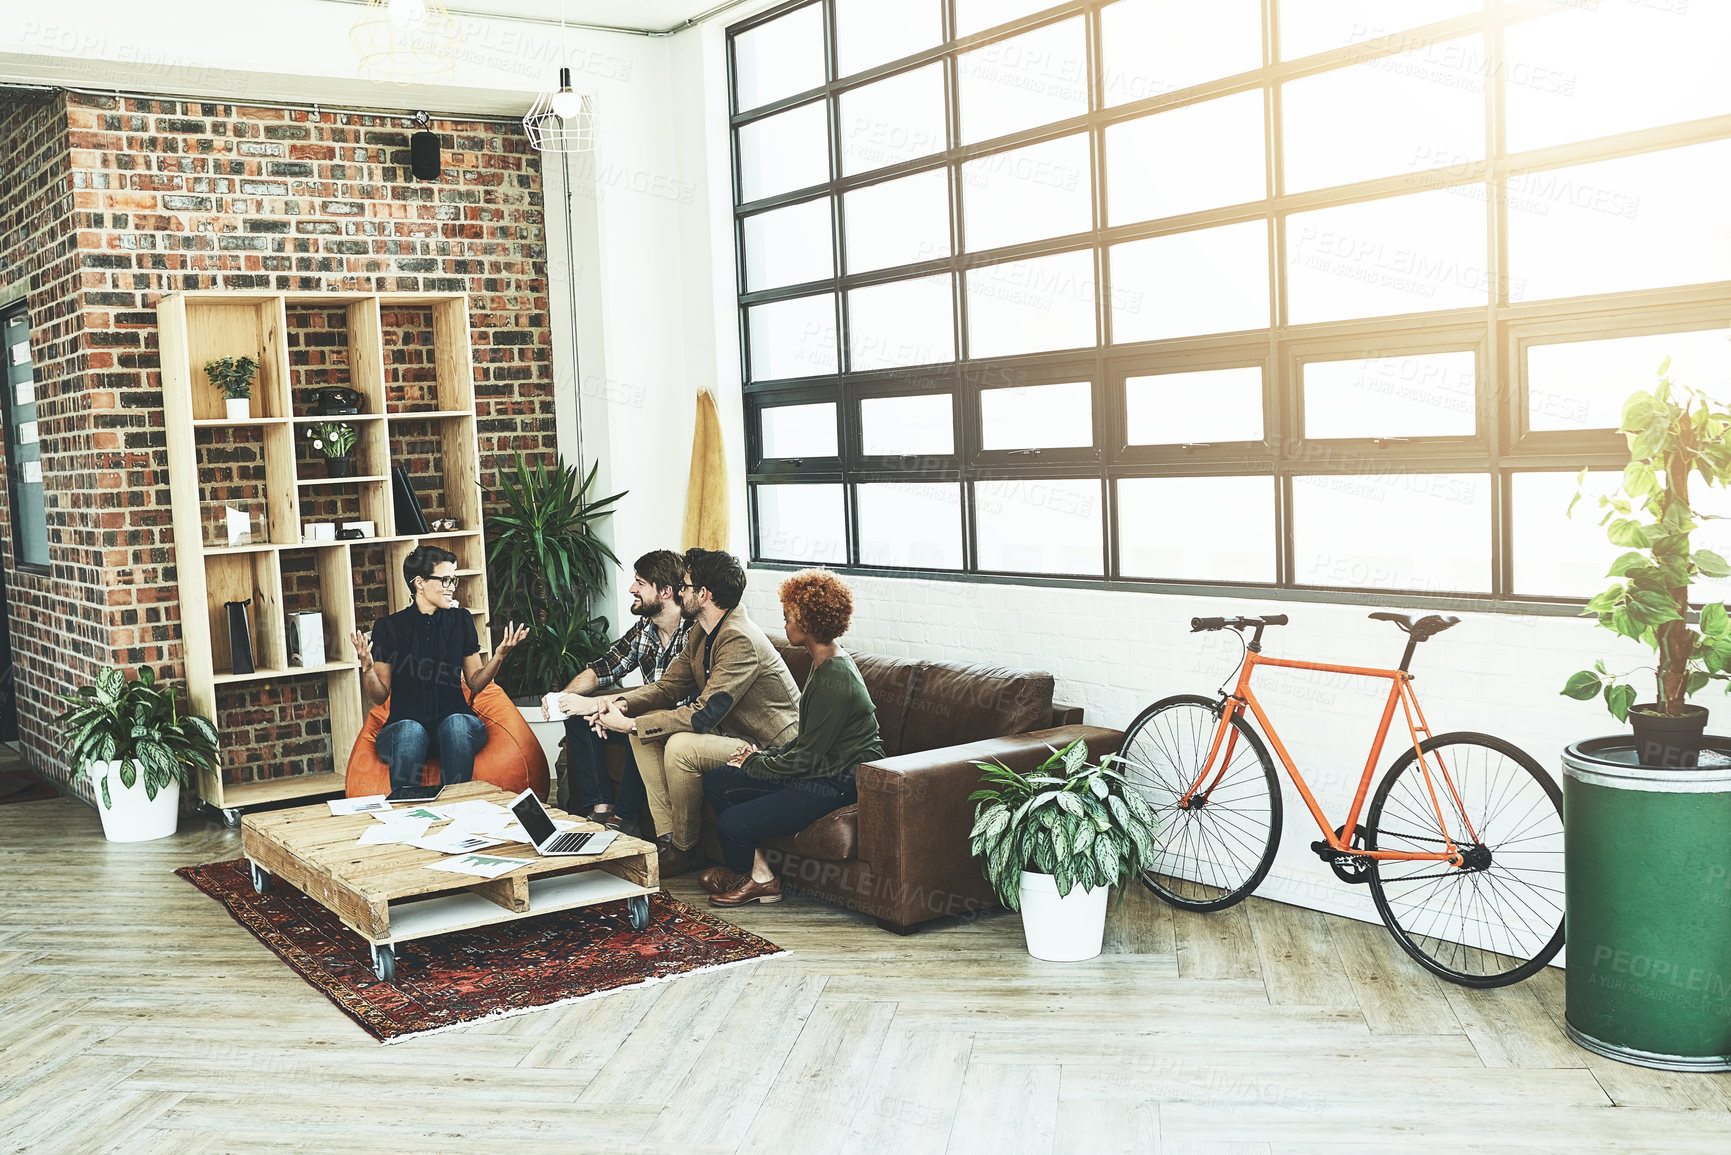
[314, 420]
[429, 414]
[309, 481]
[447, 533]
[223, 422]
[244, 794]
[288, 672]
[260, 547]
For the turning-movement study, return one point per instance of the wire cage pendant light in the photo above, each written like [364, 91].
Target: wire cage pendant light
[562, 120]
[406, 41]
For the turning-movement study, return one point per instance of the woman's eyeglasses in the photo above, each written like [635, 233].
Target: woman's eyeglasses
[449, 583]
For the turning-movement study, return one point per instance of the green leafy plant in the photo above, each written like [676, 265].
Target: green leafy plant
[135, 721]
[233, 375]
[1080, 823]
[1672, 432]
[333, 438]
[547, 566]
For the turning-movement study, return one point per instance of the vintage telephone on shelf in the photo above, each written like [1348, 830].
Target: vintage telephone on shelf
[338, 401]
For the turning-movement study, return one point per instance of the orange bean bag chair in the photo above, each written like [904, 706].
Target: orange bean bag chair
[512, 759]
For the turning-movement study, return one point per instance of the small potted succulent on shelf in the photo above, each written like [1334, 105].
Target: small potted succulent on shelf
[138, 747]
[233, 375]
[336, 440]
[1054, 841]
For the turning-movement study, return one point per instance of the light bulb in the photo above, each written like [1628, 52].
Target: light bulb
[567, 104]
[407, 13]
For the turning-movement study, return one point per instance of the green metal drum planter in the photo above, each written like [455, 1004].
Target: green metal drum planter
[1648, 862]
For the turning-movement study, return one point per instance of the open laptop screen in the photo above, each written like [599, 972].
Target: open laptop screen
[535, 822]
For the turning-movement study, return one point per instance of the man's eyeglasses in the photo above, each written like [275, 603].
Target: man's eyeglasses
[449, 583]
[683, 586]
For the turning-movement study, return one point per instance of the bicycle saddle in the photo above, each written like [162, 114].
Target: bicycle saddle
[1420, 628]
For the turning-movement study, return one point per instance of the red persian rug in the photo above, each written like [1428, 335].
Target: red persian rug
[487, 973]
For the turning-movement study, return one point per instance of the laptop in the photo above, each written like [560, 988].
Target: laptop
[548, 840]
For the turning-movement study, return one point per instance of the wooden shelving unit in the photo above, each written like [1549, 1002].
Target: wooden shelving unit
[211, 457]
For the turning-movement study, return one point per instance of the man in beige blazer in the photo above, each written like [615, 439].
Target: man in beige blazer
[743, 693]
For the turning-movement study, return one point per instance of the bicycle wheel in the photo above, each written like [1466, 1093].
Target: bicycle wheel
[1213, 853]
[1497, 918]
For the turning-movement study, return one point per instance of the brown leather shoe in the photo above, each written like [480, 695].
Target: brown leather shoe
[720, 880]
[673, 861]
[749, 890]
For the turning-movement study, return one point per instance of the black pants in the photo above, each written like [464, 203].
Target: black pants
[586, 761]
[752, 809]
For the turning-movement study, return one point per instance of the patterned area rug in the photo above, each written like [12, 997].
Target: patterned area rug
[486, 973]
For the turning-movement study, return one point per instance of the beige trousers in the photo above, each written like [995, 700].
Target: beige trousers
[673, 780]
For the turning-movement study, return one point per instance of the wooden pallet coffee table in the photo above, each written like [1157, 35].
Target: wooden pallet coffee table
[384, 893]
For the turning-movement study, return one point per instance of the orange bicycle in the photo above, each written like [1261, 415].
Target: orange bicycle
[1462, 845]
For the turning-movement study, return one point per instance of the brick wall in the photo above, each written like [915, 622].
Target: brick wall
[126, 200]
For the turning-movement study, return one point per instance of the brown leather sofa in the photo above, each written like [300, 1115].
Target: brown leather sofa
[901, 853]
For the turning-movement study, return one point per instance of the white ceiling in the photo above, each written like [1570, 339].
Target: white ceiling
[642, 15]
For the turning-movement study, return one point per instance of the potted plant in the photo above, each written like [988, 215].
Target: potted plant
[336, 440]
[1672, 433]
[138, 747]
[1052, 843]
[547, 566]
[233, 375]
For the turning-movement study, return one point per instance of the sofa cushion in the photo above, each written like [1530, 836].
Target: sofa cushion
[798, 661]
[892, 684]
[833, 838]
[953, 703]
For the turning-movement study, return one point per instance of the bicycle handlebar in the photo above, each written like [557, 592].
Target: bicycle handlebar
[1203, 625]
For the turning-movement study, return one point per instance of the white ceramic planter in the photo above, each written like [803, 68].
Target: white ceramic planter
[1067, 928]
[238, 408]
[134, 817]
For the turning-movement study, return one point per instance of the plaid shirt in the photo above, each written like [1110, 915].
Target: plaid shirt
[641, 650]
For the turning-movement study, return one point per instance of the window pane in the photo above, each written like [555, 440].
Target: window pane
[1153, 47]
[1027, 193]
[1031, 306]
[901, 323]
[898, 222]
[1405, 254]
[789, 246]
[1639, 222]
[1410, 531]
[792, 338]
[1558, 554]
[1193, 158]
[1024, 82]
[1414, 111]
[1029, 526]
[1197, 528]
[801, 523]
[1037, 416]
[978, 15]
[1608, 68]
[892, 120]
[873, 32]
[1204, 281]
[784, 152]
[1202, 408]
[778, 59]
[1583, 384]
[911, 526]
[1311, 26]
[1424, 395]
[798, 431]
[910, 426]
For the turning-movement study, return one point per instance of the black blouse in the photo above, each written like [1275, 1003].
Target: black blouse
[425, 653]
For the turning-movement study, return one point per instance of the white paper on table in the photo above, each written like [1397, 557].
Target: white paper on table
[407, 830]
[373, 804]
[473, 808]
[446, 843]
[484, 865]
[430, 813]
[514, 832]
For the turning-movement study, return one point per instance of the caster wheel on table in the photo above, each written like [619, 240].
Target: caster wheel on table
[639, 911]
[385, 963]
[231, 818]
[260, 878]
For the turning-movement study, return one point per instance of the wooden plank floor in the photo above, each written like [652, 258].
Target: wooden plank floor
[135, 1016]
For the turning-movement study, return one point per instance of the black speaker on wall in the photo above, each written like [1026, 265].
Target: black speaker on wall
[424, 155]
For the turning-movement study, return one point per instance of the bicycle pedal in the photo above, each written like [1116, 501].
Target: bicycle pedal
[1324, 851]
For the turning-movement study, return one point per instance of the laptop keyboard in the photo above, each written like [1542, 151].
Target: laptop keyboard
[569, 842]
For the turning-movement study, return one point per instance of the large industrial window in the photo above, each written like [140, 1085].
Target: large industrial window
[23, 447]
[1303, 294]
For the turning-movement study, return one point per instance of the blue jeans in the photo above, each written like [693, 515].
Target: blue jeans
[406, 745]
[586, 759]
[751, 809]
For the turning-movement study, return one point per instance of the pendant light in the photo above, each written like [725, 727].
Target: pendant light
[562, 119]
[405, 41]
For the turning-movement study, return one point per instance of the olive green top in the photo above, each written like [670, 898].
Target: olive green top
[838, 729]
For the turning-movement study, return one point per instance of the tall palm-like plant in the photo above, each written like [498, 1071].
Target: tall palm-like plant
[547, 566]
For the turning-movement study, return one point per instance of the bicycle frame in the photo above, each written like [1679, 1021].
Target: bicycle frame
[1400, 693]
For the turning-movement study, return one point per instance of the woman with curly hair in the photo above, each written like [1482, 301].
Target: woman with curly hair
[764, 793]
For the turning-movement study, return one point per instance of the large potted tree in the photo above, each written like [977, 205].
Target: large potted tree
[547, 566]
[1647, 816]
[138, 746]
[1053, 842]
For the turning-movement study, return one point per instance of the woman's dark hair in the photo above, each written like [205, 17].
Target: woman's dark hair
[421, 562]
[819, 601]
[719, 573]
[661, 568]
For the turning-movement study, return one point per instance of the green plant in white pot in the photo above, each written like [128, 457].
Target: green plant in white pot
[233, 375]
[1054, 841]
[138, 747]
